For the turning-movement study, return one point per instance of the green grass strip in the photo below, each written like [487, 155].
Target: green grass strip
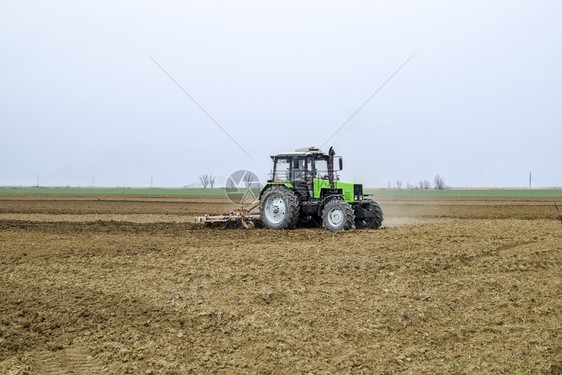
[112, 191]
[500, 193]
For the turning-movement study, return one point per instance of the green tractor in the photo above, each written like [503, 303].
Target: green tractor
[304, 190]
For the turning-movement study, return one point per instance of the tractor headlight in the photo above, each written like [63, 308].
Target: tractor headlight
[358, 192]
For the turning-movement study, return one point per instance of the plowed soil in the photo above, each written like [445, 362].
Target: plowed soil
[128, 284]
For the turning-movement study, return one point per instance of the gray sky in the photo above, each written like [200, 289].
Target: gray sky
[479, 103]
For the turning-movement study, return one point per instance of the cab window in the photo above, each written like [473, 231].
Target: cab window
[320, 168]
[299, 169]
[282, 170]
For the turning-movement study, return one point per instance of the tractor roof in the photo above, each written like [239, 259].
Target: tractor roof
[302, 151]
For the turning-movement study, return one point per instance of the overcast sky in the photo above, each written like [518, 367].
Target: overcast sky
[479, 103]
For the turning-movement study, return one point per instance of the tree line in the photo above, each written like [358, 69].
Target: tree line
[207, 180]
[438, 183]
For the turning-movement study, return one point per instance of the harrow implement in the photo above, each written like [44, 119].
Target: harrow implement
[240, 216]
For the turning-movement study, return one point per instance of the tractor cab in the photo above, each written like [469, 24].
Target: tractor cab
[303, 166]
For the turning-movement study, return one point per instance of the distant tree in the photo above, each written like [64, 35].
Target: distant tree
[248, 180]
[439, 183]
[399, 185]
[212, 180]
[204, 178]
[410, 186]
[424, 184]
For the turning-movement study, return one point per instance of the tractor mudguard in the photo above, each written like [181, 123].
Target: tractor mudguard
[269, 184]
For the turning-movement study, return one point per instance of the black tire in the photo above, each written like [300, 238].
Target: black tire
[279, 208]
[374, 222]
[338, 215]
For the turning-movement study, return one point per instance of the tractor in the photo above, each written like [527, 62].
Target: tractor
[305, 191]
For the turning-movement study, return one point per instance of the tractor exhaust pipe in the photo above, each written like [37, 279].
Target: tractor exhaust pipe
[331, 154]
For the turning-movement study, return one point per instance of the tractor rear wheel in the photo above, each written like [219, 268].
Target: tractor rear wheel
[279, 208]
[338, 215]
[374, 222]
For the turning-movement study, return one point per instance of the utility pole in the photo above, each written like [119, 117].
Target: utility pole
[37, 180]
[530, 177]
[151, 182]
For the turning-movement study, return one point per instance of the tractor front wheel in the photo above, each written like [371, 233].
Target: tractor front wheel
[338, 215]
[375, 221]
[279, 208]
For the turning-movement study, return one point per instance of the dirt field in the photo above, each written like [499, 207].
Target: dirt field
[127, 284]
